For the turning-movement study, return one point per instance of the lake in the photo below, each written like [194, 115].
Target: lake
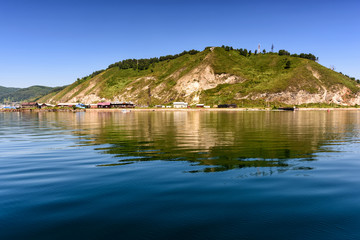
[180, 175]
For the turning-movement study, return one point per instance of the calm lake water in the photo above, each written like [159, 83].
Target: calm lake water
[180, 175]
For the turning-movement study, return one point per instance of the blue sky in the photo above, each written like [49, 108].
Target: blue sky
[52, 43]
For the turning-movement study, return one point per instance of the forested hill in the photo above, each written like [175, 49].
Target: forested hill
[216, 75]
[4, 91]
[32, 93]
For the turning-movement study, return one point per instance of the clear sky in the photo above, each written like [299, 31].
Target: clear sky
[54, 42]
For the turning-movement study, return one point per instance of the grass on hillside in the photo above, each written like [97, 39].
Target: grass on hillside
[267, 73]
[262, 73]
[117, 79]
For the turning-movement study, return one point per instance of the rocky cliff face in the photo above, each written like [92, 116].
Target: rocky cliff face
[336, 94]
[340, 95]
[215, 76]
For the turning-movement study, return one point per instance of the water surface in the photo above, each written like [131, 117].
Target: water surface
[176, 175]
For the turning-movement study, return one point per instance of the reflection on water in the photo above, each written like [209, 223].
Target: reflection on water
[215, 141]
[107, 175]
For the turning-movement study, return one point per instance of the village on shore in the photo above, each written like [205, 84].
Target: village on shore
[105, 105]
[130, 106]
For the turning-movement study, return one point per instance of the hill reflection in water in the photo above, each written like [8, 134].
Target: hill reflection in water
[216, 141]
[171, 175]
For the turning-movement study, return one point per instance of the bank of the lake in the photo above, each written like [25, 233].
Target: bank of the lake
[43, 110]
[218, 109]
[173, 109]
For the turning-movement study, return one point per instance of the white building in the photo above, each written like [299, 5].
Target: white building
[180, 105]
[67, 104]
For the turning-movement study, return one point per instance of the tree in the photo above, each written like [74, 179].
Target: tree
[143, 64]
[264, 51]
[287, 64]
[243, 52]
[255, 52]
[283, 52]
[308, 56]
[246, 52]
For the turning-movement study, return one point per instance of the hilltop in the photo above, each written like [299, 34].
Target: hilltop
[213, 76]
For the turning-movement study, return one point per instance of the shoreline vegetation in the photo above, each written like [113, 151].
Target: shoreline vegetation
[176, 109]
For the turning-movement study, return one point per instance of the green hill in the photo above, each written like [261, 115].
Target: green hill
[32, 93]
[215, 76]
[5, 91]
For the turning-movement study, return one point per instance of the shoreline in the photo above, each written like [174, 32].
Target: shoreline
[214, 109]
[42, 110]
[176, 110]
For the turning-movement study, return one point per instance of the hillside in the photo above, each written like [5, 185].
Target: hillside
[32, 93]
[215, 76]
[4, 91]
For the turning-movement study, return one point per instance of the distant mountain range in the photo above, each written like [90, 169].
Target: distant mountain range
[32, 93]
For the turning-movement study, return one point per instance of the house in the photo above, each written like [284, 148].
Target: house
[93, 105]
[66, 104]
[180, 105]
[160, 106]
[45, 105]
[104, 105]
[200, 105]
[227, 106]
[122, 105]
[28, 105]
